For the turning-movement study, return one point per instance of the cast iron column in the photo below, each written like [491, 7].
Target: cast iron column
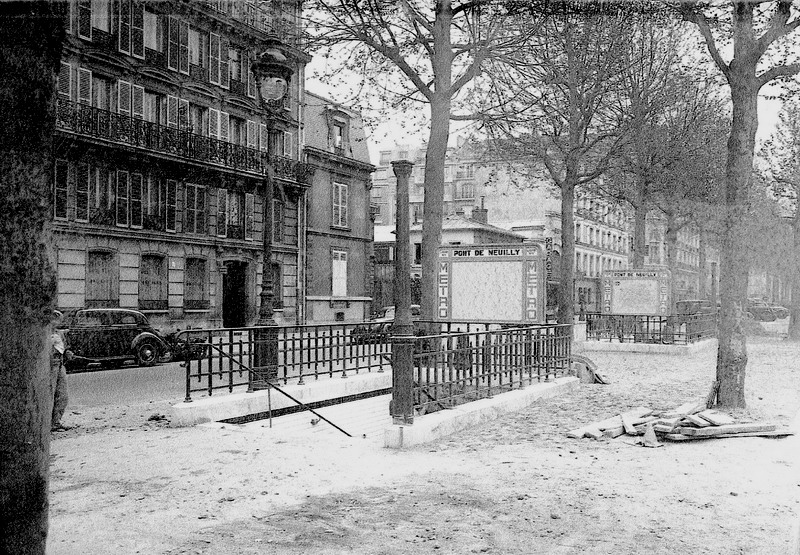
[265, 367]
[402, 405]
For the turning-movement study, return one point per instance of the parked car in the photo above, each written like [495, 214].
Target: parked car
[689, 307]
[111, 337]
[387, 313]
[760, 310]
[781, 312]
[378, 329]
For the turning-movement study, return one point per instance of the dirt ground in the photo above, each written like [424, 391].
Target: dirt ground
[124, 484]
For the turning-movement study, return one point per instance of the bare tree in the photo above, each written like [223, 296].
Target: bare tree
[783, 154]
[428, 52]
[760, 33]
[551, 104]
[31, 36]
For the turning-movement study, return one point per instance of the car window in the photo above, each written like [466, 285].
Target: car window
[127, 319]
[88, 319]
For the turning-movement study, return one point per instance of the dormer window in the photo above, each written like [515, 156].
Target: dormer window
[338, 136]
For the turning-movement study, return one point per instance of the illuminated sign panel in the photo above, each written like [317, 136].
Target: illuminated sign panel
[491, 283]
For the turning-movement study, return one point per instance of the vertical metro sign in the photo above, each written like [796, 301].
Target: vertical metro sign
[491, 283]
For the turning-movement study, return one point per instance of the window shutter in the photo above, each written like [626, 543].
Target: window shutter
[172, 111]
[171, 212]
[224, 64]
[70, 16]
[183, 41]
[84, 86]
[125, 26]
[65, 80]
[224, 126]
[137, 29]
[263, 137]
[124, 97]
[213, 123]
[122, 198]
[85, 173]
[213, 58]
[173, 44]
[189, 207]
[200, 200]
[343, 199]
[251, 82]
[136, 199]
[85, 19]
[183, 114]
[222, 212]
[252, 134]
[138, 102]
[249, 211]
[61, 188]
[288, 144]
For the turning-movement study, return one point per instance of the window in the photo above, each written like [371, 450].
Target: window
[277, 143]
[153, 31]
[198, 119]
[417, 253]
[465, 191]
[102, 92]
[198, 48]
[101, 276]
[86, 178]
[249, 216]
[131, 27]
[195, 212]
[171, 208]
[178, 45]
[218, 124]
[218, 61]
[339, 273]
[155, 108]
[101, 17]
[235, 214]
[339, 205]
[238, 131]
[195, 293]
[338, 136]
[402, 155]
[235, 60]
[85, 19]
[60, 189]
[122, 198]
[386, 157]
[278, 221]
[153, 282]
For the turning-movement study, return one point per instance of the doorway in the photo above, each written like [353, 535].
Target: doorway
[234, 295]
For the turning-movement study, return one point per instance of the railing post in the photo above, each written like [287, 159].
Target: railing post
[402, 404]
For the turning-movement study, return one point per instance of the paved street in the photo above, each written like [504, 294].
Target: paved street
[127, 385]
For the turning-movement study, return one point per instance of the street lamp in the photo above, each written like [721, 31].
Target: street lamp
[273, 72]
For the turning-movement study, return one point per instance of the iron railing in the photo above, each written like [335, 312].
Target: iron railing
[639, 328]
[119, 128]
[454, 368]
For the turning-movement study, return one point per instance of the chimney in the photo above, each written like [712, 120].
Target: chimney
[481, 214]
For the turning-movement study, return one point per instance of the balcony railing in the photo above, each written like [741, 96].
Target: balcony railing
[118, 128]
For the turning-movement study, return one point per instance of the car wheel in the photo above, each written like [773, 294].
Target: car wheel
[147, 353]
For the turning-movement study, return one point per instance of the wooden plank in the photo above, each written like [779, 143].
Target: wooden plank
[713, 431]
[774, 433]
[697, 421]
[612, 422]
[663, 428]
[666, 424]
[594, 433]
[691, 407]
[577, 433]
[628, 425]
[716, 418]
[614, 432]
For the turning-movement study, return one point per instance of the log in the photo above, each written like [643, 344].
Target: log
[711, 398]
[716, 418]
[714, 431]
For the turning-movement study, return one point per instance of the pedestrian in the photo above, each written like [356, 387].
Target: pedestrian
[58, 353]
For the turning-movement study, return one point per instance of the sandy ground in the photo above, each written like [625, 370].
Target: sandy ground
[124, 484]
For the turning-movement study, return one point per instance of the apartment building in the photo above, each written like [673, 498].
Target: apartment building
[172, 160]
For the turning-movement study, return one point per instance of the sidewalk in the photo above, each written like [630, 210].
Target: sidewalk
[123, 484]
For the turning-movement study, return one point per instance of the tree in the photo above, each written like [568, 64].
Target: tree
[757, 30]
[31, 35]
[429, 53]
[783, 154]
[550, 104]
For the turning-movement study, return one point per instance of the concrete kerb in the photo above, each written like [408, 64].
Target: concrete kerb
[652, 348]
[233, 405]
[443, 423]
[795, 444]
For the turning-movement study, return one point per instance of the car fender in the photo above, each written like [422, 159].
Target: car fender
[147, 335]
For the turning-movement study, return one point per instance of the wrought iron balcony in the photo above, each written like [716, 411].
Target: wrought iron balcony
[121, 129]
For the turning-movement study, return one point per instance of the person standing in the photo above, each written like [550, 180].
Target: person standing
[59, 372]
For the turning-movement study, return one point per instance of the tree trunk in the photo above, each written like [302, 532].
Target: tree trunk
[794, 306]
[639, 233]
[566, 287]
[435, 157]
[671, 239]
[702, 262]
[734, 266]
[31, 36]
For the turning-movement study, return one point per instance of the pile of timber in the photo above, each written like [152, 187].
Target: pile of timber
[686, 422]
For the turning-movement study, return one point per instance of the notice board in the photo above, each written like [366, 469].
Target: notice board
[645, 292]
[491, 283]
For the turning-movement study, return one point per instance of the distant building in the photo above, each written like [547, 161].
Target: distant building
[338, 273]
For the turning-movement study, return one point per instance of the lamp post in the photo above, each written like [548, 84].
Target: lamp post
[272, 71]
[402, 404]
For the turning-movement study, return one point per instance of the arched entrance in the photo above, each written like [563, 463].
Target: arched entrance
[234, 294]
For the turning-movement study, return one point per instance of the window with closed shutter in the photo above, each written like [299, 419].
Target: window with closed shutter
[224, 126]
[195, 295]
[224, 64]
[171, 207]
[339, 273]
[60, 189]
[213, 123]
[173, 44]
[213, 58]
[100, 278]
[183, 44]
[122, 198]
[83, 184]
[153, 282]
[124, 98]
[137, 29]
[263, 137]
[172, 111]
[124, 27]
[252, 134]
[65, 80]
[222, 212]
[136, 195]
[137, 102]
[84, 86]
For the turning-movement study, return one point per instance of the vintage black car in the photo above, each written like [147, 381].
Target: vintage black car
[111, 336]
